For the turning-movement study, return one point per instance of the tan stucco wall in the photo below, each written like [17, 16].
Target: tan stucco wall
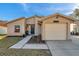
[22, 23]
[30, 21]
[37, 28]
[35, 20]
[11, 28]
[61, 20]
[72, 26]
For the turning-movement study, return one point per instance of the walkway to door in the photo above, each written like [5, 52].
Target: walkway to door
[24, 45]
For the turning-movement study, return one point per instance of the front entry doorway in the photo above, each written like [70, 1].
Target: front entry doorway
[30, 29]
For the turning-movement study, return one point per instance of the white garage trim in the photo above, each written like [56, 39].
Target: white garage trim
[55, 31]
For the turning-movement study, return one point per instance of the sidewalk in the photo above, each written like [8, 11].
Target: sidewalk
[35, 46]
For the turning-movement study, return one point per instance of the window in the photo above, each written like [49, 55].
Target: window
[17, 28]
[56, 20]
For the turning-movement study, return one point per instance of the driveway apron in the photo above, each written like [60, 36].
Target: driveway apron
[63, 48]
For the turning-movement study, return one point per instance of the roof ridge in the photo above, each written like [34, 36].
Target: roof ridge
[15, 19]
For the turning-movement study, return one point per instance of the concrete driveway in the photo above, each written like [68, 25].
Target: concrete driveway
[63, 48]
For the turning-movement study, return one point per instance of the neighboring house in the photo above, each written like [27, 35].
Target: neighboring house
[76, 27]
[3, 27]
[53, 27]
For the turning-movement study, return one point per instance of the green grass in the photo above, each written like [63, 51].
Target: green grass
[24, 52]
[7, 42]
[1, 37]
[2, 34]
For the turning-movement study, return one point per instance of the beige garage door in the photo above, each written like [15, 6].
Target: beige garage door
[55, 31]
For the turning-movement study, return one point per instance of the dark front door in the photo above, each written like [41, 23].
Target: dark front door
[32, 29]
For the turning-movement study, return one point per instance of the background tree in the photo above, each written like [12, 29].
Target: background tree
[75, 14]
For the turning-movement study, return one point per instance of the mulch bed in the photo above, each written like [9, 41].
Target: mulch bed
[36, 39]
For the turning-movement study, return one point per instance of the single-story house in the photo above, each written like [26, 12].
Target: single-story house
[3, 27]
[52, 27]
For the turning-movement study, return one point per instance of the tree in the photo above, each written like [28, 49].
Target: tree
[76, 13]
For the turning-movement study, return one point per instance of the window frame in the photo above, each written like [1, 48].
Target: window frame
[15, 28]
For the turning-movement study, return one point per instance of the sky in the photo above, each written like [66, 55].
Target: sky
[11, 11]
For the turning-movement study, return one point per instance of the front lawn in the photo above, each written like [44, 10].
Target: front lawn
[1, 37]
[7, 42]
[24, 52]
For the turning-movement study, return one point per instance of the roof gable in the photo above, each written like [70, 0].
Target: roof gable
[59, 15]
[35, 17]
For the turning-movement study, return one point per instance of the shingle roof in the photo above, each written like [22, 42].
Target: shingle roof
[35, 16]
[23, 18]
[16, 20]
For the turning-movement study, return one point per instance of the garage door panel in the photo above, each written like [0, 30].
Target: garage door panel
[55, 31]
